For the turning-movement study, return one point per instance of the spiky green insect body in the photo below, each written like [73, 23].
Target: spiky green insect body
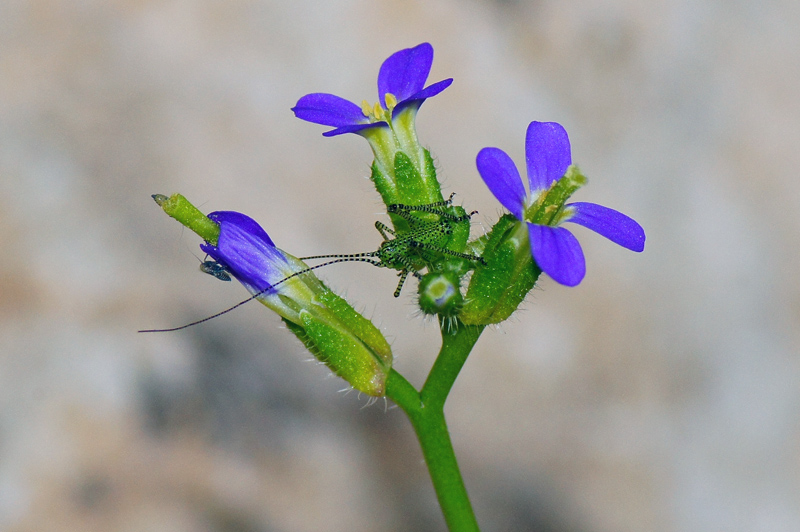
[431, 236]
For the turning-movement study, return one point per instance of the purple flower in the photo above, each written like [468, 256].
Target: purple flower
[400, 87]
[555, 249]
[248, 253]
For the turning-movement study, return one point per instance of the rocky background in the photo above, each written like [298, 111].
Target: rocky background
[662, 394]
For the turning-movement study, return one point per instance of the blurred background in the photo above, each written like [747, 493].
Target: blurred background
[661, 394]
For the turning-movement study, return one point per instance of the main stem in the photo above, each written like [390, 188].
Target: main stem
[425, 410]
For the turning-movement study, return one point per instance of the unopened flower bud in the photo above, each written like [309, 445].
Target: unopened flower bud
[344, 340]
[439, 293]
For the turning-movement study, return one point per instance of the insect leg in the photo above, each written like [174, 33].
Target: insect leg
[403, 276]
[431, 208]
[383, 229]
[445, 251]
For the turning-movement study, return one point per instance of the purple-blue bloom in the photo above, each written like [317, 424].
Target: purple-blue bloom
[555, 249]
[402, 76]
[247, 252]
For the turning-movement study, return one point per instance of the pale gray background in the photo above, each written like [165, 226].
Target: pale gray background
[662, 394]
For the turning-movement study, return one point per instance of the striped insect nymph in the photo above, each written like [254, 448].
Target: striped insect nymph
[423, 234]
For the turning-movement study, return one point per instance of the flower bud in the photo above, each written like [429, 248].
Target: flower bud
[344, 340]
[348, 343]
[439, 293]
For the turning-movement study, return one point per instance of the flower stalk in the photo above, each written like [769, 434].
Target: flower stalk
[425, 410]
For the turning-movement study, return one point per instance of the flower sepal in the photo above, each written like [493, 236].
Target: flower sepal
[496, 290]
[345, 341]
[416, 184]
[404, 182]
[179, 208]
[548, 209]
[338, 336]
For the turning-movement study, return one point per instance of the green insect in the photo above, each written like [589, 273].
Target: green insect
[418, 246]
[423, 235]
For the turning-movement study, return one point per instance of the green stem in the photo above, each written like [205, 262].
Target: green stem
[456, 347]
[425, 410]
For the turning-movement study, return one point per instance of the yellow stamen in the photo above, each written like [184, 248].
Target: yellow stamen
[391, 101]
[378, 111]
[366, 109]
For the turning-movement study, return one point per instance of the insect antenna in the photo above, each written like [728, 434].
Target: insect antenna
[363, 257]
[355, 257]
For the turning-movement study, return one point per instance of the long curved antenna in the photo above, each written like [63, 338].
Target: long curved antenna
[362, 257]
[347, 257]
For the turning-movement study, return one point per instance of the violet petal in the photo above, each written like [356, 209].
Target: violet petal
[417, 99]
[404, 73]
[328, 110]
[502, 177]
[357, 128]
[547, 154]
[244, 222]
[246, 250]
[558, 253]
[613, 225]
